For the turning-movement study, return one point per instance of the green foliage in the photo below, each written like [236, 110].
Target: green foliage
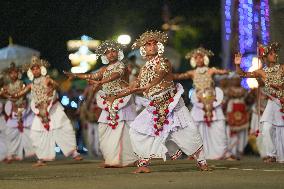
[186, 39]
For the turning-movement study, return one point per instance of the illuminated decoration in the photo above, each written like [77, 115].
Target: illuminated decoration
[228, 7]
[84, 59]
[245, 65]
[246, 33]
[264, 21]
[65, 101]
[124, 39]
[256, 64]
[83, 55]
[83, 67]
[228, 19]
[73, 104]
[79, 69]
[190, 92]
[251, 22]
[81, 97]
[73, 45]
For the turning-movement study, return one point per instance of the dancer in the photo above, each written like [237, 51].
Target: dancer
[238, 117]
[89, 116]
[50, 126]
[207, 100]
[19, 119]
[115, 118]
[165, 121]
[272, 118]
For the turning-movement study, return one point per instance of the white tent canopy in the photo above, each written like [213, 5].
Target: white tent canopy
[17, 54]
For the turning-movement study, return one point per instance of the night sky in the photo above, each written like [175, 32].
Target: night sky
[47, 25]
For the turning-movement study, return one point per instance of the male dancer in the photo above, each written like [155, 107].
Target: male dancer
[50, 126]
[115, 118]
[272, 119]
[165, 121]
[19, 119]
[207, 100]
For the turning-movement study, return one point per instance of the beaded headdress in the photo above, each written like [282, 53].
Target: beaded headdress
[148, 36]
[199, 50]
[206, 53]
[106, 45]
[265, 50]
[36, 61]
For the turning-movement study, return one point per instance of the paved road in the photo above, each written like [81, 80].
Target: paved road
[65, 173]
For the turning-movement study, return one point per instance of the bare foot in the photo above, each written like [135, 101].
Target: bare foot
[8, 161]
[190, 158]
[203, 167]
[135, 164]
[116, 166]
[270, 160]
[142, 170]
[106, 166]
[103, 165]
[78, 158]
[39, 164]
[231, 158]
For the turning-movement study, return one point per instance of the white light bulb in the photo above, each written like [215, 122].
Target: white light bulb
[124, 39]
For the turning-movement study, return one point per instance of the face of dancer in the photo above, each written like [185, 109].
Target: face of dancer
[151, 48]
[13, 75]
[36, 71]
[199, 59]
[271, 57]
[112, 55]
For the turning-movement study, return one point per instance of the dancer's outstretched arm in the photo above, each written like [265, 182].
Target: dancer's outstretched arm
[183, 76]
[51, 82]
[215, 71]
[92, 76]
[115, 75]
[255, 74]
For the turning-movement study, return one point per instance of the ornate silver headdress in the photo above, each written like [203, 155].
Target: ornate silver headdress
[36, 61]
[158, 36]
[199, 50]
[206, 53]
[12, 67]
[109, 44]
